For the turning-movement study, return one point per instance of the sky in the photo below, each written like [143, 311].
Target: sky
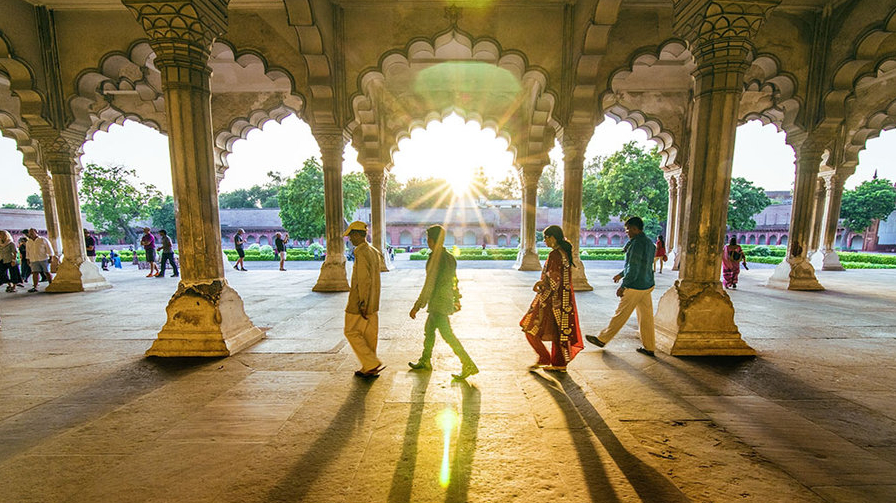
[448, 149]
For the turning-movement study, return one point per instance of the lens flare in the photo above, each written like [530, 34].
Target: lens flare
[448, 421]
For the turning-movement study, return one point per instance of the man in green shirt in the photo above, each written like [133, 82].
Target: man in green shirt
[635, 290]
[440, 294]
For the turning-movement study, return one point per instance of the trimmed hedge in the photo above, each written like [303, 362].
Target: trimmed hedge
[867, 258]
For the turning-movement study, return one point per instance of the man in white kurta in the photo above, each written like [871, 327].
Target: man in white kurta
[361, 312]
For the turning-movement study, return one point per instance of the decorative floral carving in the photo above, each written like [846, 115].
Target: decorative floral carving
[706, 21]
[196, 21]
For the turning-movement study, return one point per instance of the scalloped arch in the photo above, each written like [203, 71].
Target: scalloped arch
[386, 108]
[21, 84]
[875, 123]
[665, 141]
[239, 129]
[777, 102]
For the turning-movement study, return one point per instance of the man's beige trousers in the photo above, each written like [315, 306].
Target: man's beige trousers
[633, 300]
[362, 336]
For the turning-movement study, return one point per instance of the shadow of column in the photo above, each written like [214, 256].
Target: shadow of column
[645, 480]
[403, 476]
[295, 485]
[465, 448]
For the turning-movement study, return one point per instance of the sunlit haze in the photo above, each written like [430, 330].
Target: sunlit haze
[450, 149]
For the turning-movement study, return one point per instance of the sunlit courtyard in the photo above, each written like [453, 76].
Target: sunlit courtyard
[84, 417]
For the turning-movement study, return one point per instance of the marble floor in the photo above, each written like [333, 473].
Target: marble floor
[84, 417]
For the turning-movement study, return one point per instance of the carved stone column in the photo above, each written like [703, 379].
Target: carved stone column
[817, 217]
[696, 316]
[48, 196]
[672, 215]
[332, 272]
[795, 272]
[826, 257]
[205, 316]
[76, 273]
[376, 179]
[527, 259]
[681, 198]
[574, 144]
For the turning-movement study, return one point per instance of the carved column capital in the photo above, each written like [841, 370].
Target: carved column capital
[375, 177]
[332, 145]
[672, 179]
[530, 174]
[59, 152]
[574, 142]
[181, 32]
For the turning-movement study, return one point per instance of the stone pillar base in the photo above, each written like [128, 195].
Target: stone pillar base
[794, 274]
[77, 278]
[826, 260]
[205, 319]
[579, 279]
[674, 260]
[332, 278]
[387, 265]
[527, 261]
[697, 319]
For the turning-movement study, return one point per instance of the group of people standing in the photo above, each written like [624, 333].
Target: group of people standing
[30, 257]
[551, 317]
[239, 242]
[148, 242]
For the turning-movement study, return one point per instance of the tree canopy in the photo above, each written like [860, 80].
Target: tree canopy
[35, 202]
[112, 201]
[627, 183]
[419, 193]
[301, 199]
[162, 216]
[550, 187]
[257, 196]
[871, 200]
[745, 201]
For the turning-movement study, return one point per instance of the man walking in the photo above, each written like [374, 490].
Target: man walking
[441, 295]
[361, 312]
[634, 293]
[148, 242]
[39, 251]
[167, 255]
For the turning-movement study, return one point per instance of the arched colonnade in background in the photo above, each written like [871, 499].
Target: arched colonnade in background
[206, 72]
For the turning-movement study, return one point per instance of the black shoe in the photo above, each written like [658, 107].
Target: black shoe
[243, 269]
[175, 275]
[645, 351]
[236, 267]
[594, 340]
[420, 365]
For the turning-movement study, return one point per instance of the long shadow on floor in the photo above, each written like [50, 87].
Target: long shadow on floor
[644, 479]
[295, 485]
[129, 382]
[403, 476]
[465, 447]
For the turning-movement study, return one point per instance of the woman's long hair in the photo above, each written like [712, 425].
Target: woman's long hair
[557, 233]
[733, 241]
[661, 240]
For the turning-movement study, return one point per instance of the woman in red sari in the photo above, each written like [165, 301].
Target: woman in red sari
[552, 315]
[732, 256]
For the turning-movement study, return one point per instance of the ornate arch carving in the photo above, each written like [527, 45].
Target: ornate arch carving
[770, 95]
[21, 85]
[321, 109]
[871, 127]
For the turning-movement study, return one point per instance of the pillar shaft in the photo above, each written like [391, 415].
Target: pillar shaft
[680, 199]
[48, 196]
[696, 316]
[376, 180]
[795, 272]
[75, 273]
[205, 315]
[817, 217]
[826, 258]
[573, 169]
[527, 260]
[332, 272]
[672, 215]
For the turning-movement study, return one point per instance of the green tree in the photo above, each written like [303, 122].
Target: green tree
[35, 202]
[12, 206]
[112, 201]
[871, 200]
[257, 196]
[628, 183]
[425, 193]
[301, 199]
[162, 216]
[745, 201]
[508, 188]
[550, 187]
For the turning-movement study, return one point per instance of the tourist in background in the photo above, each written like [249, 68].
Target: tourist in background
[362, 311]
[25, 268]
[90, 245]
[660, 255]
[167, 255]
[39, 252]
[732, 256]
[441, 296]
[238, 242]
[634, 293]
[9, 266]
[552, 316]
[281, 248]
[148, 242]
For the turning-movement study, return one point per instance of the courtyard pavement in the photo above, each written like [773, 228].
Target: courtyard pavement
[85, 417]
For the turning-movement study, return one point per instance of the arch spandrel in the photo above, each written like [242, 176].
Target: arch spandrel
[19, 78]
[770, 96]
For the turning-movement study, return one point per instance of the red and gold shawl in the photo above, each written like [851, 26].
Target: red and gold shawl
[552, 314]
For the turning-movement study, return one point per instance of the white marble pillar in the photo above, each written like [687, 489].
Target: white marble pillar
[376, 178]
[332, 272]
[795, 272]
[826, 257]
[205, 315]
[672, 215]
[75, 273]
[48, 196]
[681, 197]
[817, 217]
[527, 259]
[696, 316]
[574, 144]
